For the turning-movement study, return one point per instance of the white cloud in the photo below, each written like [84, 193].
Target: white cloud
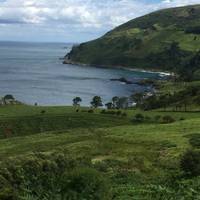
[73, 16]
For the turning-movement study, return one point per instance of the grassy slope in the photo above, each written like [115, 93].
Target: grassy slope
[110, 129]
[112, 137]
[133, 44]
[27, 120]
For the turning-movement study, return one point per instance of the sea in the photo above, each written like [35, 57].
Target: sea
[33, 72]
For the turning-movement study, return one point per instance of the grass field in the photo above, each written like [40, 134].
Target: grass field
[132, 153]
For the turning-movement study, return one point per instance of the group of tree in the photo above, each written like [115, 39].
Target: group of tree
[95, 103]
[77, 101]
[187, 68]
[178, 101]
[116, 103]
[8, 99]
[184, 64]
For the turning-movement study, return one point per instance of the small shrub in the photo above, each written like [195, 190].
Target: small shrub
[109, 112]
[138, 118]
[167, 145]
[119, 112]
[85, 183]
[112, 112]
[124, 114]
[90, 111]
[167, 119]
[103, 111]
[147, 118]
[157, 118]
[190, 163]
[182, 119]
[195, 140]
[6, 192]
[43, 112]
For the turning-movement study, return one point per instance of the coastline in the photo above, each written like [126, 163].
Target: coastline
[161, 73]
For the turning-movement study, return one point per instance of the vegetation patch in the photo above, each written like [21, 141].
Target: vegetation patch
[194, 140]
[190, 163]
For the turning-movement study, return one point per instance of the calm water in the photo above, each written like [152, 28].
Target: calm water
[33, 72]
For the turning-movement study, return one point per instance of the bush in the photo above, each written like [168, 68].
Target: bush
[38, 176]
[138, 118]
[157, 118]
[90, 111]
[43, 112]
[85, 183]
[109, 112]
[192, 30]
[195, 140]
[167, 119]
[103, 111]
[167, 144]
[147, 118]
[182, 119]
[6, 192]
[124, 114]
[119, 112]
[112, 112]
[190, 163]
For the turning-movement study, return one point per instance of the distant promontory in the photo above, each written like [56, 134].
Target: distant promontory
[163, 40]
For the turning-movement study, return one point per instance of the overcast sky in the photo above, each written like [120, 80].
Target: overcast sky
[71, 20]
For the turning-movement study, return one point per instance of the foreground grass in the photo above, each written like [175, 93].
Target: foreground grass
[131, 154]
[68, 130]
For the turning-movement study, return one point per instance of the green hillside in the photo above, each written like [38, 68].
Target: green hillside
[161, 40]
[148, 152]
[61, 154]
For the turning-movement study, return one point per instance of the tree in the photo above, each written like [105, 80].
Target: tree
[167, 119]
[96, 102]
[173, 55]
[114, 101]
[174, 52]
[150, 103]
[122, 103]
[77, 101]
[9, 97]
[109, 105]
[137, 98]
[187, 72]
[138, 118]
[164, 101]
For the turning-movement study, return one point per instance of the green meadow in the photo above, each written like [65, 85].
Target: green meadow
[138, 159]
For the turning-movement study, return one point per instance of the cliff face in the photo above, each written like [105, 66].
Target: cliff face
[161, 40]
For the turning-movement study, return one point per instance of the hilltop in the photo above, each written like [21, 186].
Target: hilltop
[161, 40]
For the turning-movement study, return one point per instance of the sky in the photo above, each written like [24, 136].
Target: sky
[71, 20]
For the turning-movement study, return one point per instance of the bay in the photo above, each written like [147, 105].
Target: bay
[33, 72]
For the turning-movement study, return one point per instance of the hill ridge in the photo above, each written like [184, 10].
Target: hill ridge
[162, 40]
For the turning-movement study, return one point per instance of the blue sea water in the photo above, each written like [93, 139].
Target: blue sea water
[33, 72]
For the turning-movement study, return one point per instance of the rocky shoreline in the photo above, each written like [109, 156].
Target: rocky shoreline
[122, 80]
[161, 73]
